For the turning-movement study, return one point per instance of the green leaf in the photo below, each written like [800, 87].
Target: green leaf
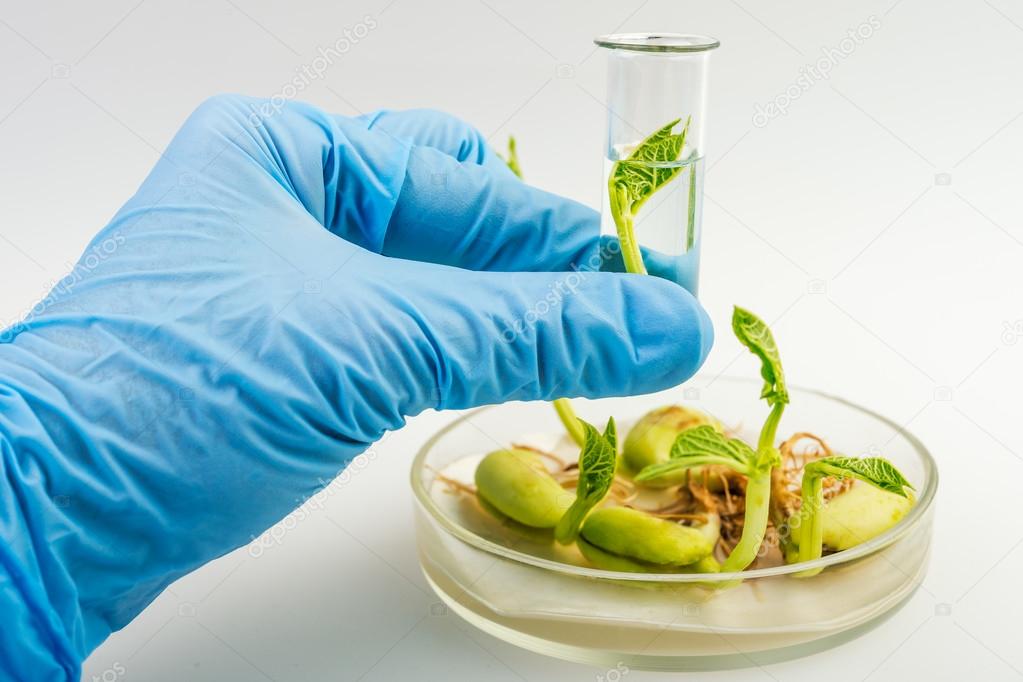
[877, 471]
[597, 461]
[611, 434]
[754, 333]
[700, 446]
[706, 441]
[649, 166]
[654, 471]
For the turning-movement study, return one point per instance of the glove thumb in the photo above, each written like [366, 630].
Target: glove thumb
[476, 338]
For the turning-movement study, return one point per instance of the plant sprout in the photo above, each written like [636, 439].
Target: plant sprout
[703, 445]
[635, 179]
[597, 462]
[876, 471]
[618, 526]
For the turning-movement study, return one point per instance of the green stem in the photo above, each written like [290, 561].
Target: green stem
[568, 526]
[626, 229]
[631, 254]
[691, 227]
[811, 530]
[811, 525]
[572, 424]
[770, 429]
[758, 497]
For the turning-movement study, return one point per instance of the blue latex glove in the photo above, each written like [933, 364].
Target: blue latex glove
[286, 286]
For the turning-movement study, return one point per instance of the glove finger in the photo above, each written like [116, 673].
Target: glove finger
[586, 334]
[471, 217]
[438, 130]
[456, 339]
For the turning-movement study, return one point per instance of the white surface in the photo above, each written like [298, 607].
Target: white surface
[842, 195]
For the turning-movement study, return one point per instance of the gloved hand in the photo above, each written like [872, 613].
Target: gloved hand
[286, 286]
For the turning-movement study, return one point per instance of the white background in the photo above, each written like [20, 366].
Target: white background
[877, 224]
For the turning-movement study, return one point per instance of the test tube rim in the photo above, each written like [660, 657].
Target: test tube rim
[658, 42]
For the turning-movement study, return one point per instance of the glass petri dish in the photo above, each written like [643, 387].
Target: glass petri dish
[525, 589]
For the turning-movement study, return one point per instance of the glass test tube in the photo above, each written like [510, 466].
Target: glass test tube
[654, 80]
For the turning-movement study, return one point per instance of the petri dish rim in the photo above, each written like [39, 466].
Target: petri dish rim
[872, 546]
